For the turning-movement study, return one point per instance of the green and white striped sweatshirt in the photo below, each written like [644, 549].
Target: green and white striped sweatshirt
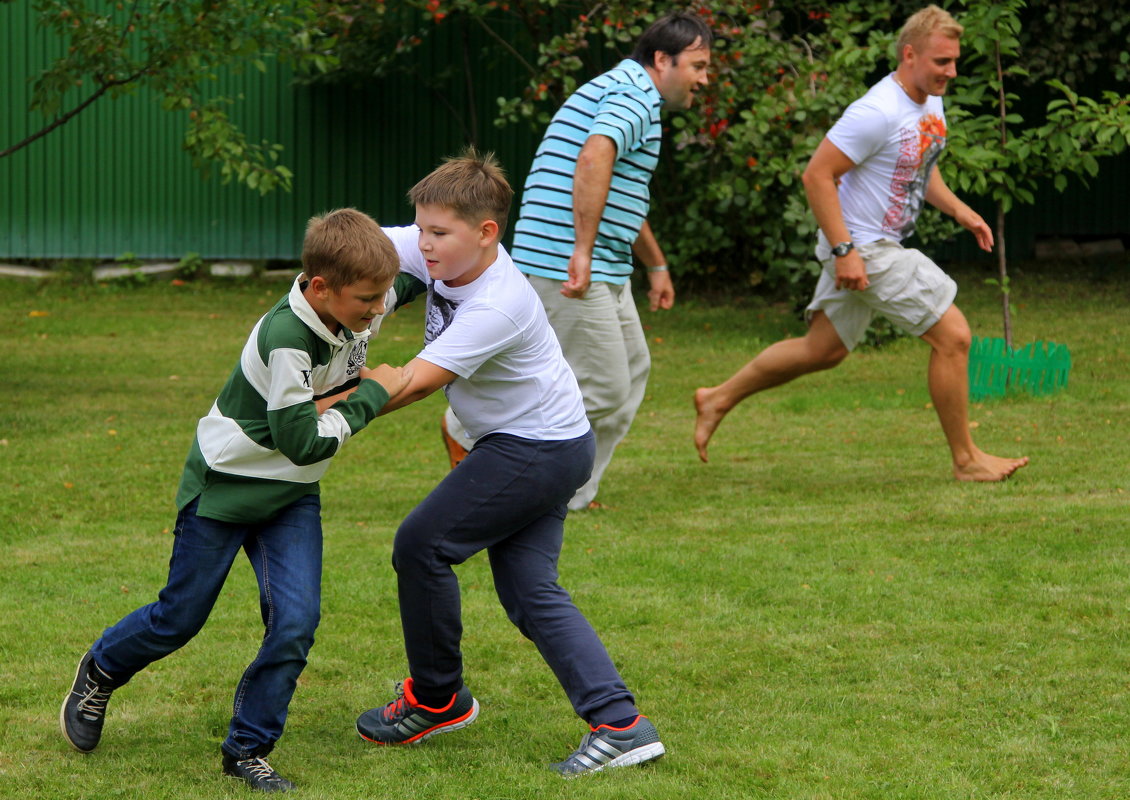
[263, 445]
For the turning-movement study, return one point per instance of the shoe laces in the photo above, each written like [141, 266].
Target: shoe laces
[398, 708]
[259, 768]
[93, 701]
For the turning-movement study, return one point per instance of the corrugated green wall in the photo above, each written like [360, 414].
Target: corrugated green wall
[115, 179]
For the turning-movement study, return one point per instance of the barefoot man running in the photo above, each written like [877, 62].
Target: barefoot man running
[866, 184]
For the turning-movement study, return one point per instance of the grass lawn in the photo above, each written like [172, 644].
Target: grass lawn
[819, 612]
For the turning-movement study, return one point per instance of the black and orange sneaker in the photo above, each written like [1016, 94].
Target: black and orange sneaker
[404, 721]
[605, 746]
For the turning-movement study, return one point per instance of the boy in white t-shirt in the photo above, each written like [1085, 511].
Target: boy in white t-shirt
[489, 346]
[867, 183]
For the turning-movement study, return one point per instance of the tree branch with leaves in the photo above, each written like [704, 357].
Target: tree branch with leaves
[993, 152]
[175, 50]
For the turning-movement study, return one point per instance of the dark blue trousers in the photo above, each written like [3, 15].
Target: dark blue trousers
[286, 554]
[509, 497]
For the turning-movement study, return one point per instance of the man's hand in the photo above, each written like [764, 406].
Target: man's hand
[851, 272]
[942, 198]
[580, 276]
[393, 379]
[970, 220]
[662, 291]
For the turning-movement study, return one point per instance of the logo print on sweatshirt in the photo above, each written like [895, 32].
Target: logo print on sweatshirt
[306, 378]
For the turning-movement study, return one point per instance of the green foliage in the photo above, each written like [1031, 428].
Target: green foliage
[780, 82]
[175, 50]
[127, 259]
[728, 205]
[378, 40]
[1072, 40]
[74, 271]
[993, 151]
[190, 266]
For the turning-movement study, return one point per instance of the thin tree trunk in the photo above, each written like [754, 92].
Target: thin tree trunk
[1002, 264]
[1002, 261]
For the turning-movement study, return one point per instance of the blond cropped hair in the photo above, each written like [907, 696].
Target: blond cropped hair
[346, 246]
[921, 24]
[471, 185]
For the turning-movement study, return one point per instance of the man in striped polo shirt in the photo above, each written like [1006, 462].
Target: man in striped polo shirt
[584, 213]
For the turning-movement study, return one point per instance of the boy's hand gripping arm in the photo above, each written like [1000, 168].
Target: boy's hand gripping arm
[393, 379]
[425, 378]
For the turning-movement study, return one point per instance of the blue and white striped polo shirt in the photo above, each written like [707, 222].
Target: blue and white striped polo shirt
[622, 104]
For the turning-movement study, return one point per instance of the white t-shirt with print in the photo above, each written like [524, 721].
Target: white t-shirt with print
[894, 144]
[494, 335]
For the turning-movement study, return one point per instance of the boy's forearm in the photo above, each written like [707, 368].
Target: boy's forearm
[307, 435]
[426, 379]
[361, 404]
[325, 403]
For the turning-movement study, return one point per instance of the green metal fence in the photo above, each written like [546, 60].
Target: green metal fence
[115, 179]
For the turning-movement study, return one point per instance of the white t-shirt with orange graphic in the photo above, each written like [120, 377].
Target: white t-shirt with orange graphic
[894, 144]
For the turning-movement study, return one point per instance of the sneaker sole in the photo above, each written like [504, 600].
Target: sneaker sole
[445, 728]
[649, 752]
[63, 710]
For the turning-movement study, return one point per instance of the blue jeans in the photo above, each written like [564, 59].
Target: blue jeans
[509, 497]
[286, 554]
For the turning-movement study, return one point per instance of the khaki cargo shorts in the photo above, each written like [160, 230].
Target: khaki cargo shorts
[906, 287]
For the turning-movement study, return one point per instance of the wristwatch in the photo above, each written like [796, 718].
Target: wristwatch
[842, 249]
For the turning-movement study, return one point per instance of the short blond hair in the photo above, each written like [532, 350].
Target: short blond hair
[346, 246]
[921, 24]
[471, 185]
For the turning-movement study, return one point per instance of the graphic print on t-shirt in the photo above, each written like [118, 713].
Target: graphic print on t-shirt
[918, 151]
[440, 313]
[357, 358]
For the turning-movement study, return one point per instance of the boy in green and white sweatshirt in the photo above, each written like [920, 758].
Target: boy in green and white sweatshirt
[251, 482]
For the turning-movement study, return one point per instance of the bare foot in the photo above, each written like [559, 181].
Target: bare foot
[708, 418]
[984, 467]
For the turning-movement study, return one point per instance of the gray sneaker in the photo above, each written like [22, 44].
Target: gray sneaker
[406, 721]
[605, 746]
[84, 707]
